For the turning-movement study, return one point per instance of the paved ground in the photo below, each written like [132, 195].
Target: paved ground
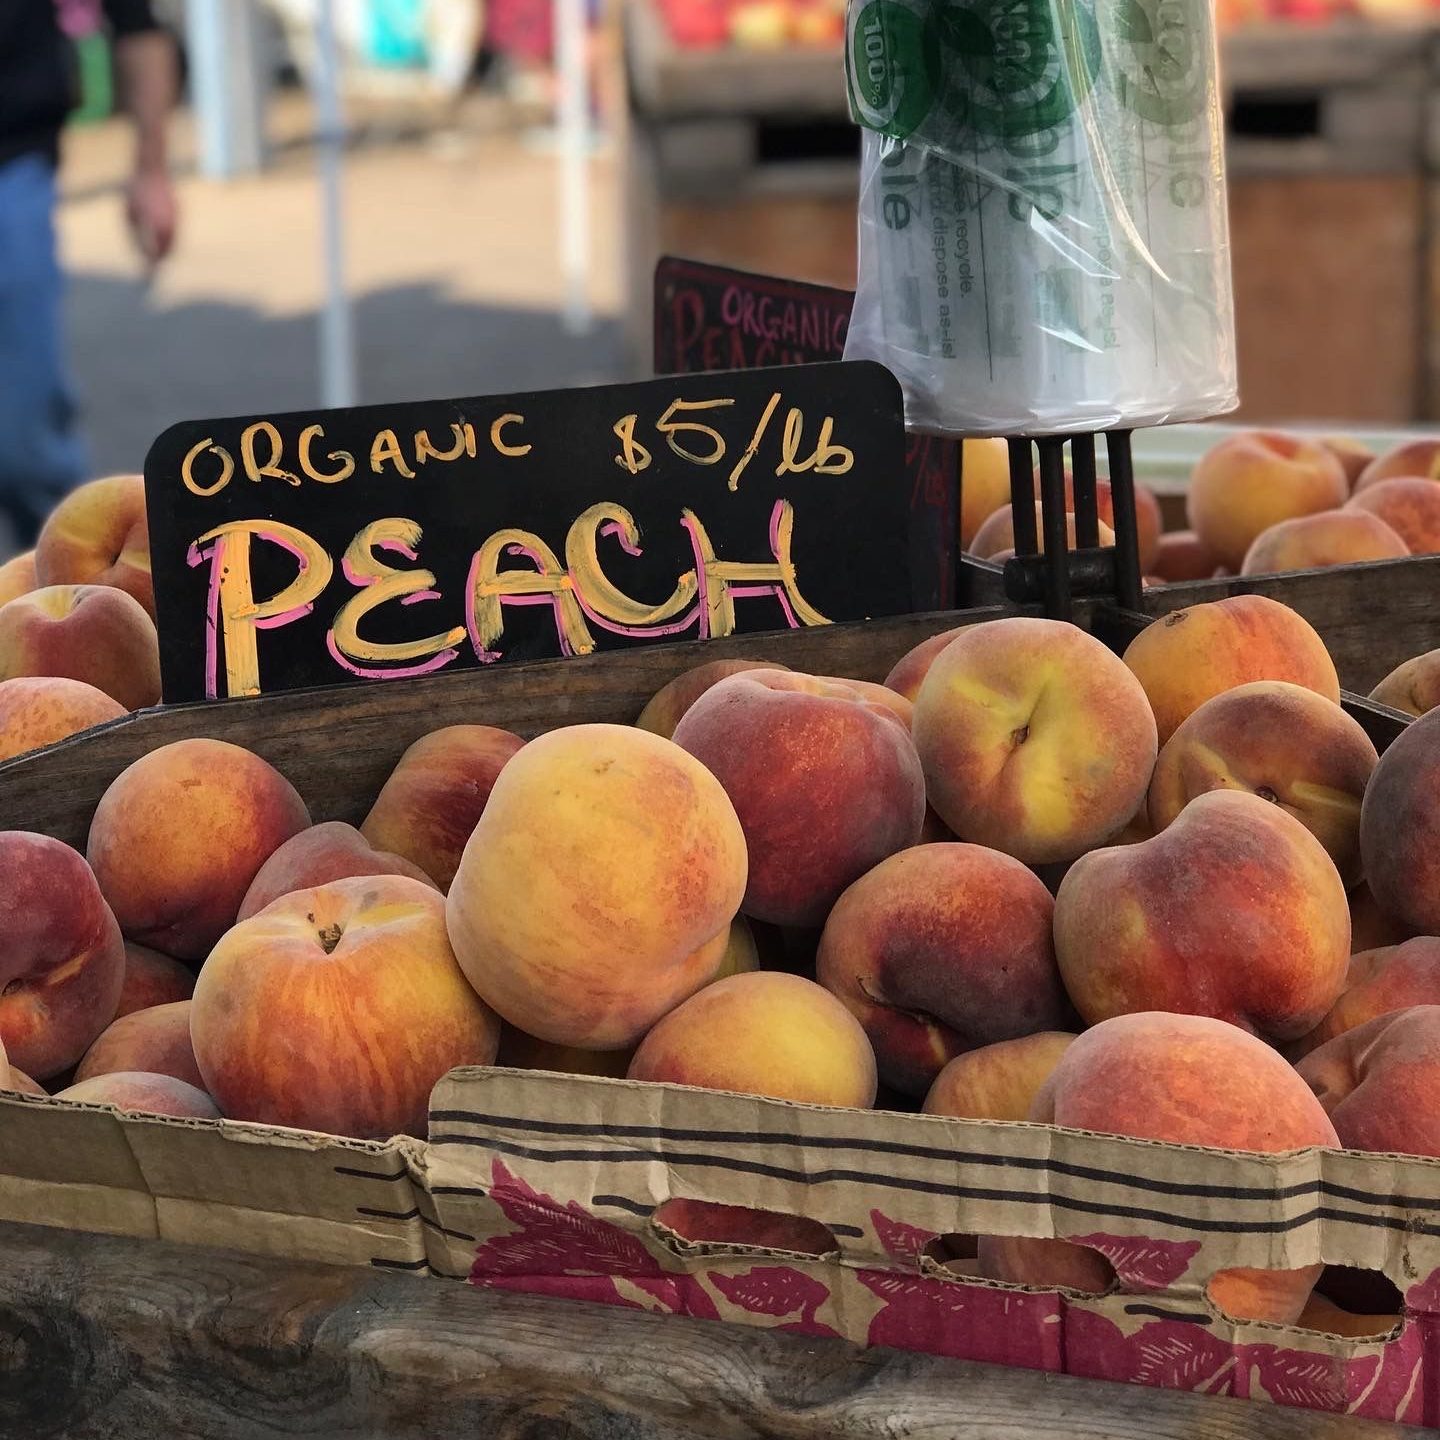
[452, 260]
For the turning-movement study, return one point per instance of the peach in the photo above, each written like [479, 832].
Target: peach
[1380, 982]
[97, 535]
[333, 851]
[21, 1084]
[1378, 1082]
[938, 950]
[908, 673]
[999, 1081]
[1281, 742]
[38, 710]
[1370, 927]
[178, 838]
[1252, 480]
[1352, 455]
[1180, 555]
[1234, 911]
[1326, 1315]
[427, 809]
[1400, 828]
[1189, 656]
[703, 1222]
[152, 979]
[1412, 687]
[1415, 459]
[824, 778]
[62, 962]
[17, 576]
[763, 1034]
[1410, 507]
[135, 1092]
[1035, 739]
[524, 1052]
[598, 888]
[667, 707]
[1315, 542]
[1188, 1080]
[83, 632]
[997, 535]
[156, 1041]
[984, 484]
[338, 1009]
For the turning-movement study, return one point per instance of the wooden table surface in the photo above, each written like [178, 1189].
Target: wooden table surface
[139, 1340]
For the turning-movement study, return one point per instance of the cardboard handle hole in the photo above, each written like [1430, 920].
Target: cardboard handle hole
[1044, 1264]
[702, 1222]
[959, 1254]
[1353, 1302]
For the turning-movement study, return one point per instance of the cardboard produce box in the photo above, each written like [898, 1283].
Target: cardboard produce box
[602, 1189]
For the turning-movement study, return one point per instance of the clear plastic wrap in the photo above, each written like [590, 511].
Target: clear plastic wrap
[1044, 245]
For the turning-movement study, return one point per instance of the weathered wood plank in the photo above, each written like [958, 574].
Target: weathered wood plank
[134, 1340]
[337, 745]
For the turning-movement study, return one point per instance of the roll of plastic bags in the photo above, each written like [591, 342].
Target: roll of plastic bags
[1044, 242]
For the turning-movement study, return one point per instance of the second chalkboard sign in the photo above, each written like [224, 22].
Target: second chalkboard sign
[394, 540]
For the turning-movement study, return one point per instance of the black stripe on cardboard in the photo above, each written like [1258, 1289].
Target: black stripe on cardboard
[1195, 1317]
[928, 1187]
[388, 1214]
[380, 1263]
[440, 1229]
[355, 1174]
[926, 1152]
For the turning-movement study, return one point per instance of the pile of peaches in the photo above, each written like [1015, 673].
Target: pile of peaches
[1259, 502]
[1024, 878]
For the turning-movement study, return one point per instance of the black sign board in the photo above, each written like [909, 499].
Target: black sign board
[394, 540]
[710, 317]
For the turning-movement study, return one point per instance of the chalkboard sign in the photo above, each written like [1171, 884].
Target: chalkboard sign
[710, 317]
[395, 540]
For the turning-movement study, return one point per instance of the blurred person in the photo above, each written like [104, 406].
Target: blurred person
[41, 453]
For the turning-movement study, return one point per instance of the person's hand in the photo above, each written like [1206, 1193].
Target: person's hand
[151, 210]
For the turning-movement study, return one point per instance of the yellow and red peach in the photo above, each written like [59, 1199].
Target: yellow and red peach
[21, 1084]
[38, 710]
[1035, 739]
[17, 576]
[1180, 555]
[1354, 457]
[984, 484]
[1378, 1082]
[156, 1041]
[908, 673]
[1414, 459]
[1189, 656]
[1380, 982]
[1400, 827]
[598, 888]
[824, 778]
[427, 809]
[1234, 911]
[62, 962]
[763, 1034]
[667, 707]
[97, 535]
[1412, 687]
[1188, 1080]
[1254, 479]
[1281, 742]
[178, 838]
[1316, 542]
[83, 632]
[999, 1081]
[152, 979]
[338, 1009]
[1409, 506]
[332, 851]
[137, 1093]
[938, 950]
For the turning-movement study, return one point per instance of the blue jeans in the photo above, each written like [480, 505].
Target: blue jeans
[41, 453]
